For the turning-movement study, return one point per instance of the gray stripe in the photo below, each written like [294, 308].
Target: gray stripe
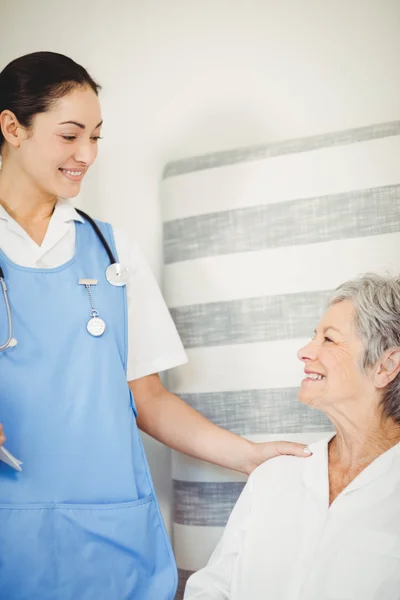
[205, 503]
[248, 320]
[183, 576]
[352, 214]
[247, 154]
[249, 412]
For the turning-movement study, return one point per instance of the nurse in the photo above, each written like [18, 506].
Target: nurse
[81, 520]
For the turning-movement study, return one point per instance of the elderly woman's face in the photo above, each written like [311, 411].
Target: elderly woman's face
[333, 361]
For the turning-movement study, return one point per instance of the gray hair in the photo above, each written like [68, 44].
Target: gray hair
[376, 299]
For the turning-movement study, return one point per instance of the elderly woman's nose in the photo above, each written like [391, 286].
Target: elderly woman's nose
[307, 352]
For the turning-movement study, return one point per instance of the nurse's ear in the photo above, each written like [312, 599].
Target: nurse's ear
[11, 129]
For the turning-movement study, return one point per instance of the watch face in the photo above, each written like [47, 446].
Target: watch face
[117, 275]
[96, 326]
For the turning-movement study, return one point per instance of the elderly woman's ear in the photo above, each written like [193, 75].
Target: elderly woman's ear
[388, 368]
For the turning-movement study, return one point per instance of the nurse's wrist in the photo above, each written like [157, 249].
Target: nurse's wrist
[249, 455]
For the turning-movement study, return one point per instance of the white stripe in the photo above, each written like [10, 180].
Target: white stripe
[194, 545]
[186, 468]
[276, 271]
[254, 366]
[303, 175]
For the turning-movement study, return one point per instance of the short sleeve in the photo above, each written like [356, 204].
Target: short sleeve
[153, 341]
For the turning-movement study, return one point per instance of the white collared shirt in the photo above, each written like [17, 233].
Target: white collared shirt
[284, 542]
[153, 342]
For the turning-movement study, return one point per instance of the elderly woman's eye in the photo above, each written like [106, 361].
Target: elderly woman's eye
[327, 339]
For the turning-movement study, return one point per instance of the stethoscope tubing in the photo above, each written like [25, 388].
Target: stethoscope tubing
[99, 235]
[8, 310]
[106, 247]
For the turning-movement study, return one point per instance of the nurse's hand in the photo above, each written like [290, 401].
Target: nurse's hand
[2, 436]
[260, 453]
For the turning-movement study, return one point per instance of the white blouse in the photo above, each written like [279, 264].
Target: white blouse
[153, 342]
[284, 542]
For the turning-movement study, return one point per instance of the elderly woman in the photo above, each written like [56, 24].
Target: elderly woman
[329, 527]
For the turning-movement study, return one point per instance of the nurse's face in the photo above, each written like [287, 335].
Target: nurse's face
[61, 144]
[334, 378]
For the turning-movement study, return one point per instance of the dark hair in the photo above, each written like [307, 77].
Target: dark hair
[31, 83]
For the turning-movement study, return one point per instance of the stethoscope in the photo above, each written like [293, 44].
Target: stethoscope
[10, 341]
[116, 275]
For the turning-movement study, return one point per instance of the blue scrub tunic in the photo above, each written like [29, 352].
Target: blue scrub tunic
[81, 520]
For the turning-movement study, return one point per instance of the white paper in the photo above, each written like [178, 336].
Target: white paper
[9, 459]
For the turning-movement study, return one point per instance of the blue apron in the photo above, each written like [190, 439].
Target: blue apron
[81, 522]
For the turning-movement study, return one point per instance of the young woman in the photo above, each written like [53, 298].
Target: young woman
[84, 343]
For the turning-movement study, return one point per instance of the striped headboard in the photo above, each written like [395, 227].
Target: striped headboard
[254, 239]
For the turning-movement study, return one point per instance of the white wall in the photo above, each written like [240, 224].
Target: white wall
[183, 77]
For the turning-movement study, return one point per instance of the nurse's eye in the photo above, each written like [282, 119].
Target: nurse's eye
[69, 138]
[96, 138]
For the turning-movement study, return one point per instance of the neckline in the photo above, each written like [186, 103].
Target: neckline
[66, 265]
[371, 473]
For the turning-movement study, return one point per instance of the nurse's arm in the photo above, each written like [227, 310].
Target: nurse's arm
[168, 419]
[214, 582]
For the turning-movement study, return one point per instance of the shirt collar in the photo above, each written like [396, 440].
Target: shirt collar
[4, 216]
[316, 470]
[63, 213]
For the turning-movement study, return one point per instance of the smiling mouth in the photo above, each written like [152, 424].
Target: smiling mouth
[314, 377]
[73, 174]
